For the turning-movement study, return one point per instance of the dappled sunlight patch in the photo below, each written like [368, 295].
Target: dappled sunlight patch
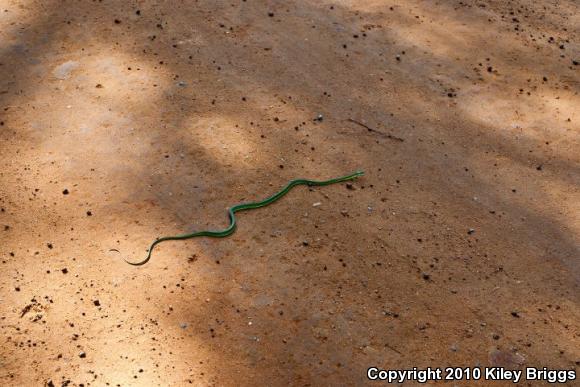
[225, 143]
[532, 117]
[565, 106]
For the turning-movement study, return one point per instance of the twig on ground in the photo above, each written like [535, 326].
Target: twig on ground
[389, 136]
[393, 349]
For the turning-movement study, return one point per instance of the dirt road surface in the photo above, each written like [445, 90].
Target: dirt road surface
[123, 121]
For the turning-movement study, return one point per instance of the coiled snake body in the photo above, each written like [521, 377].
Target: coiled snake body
[243, 207]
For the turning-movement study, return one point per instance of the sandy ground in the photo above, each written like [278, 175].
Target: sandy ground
[122, 121]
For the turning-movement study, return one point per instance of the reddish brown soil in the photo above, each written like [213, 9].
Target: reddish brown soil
[459, 247]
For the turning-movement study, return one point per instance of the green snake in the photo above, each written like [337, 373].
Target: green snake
[243, 207]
